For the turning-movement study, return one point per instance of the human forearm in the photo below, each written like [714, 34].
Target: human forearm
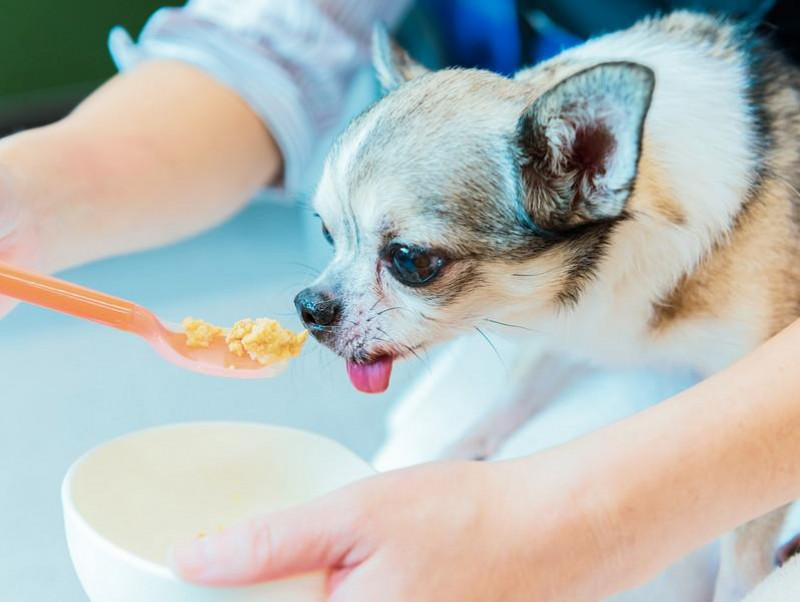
[154, 155]
[669, 479]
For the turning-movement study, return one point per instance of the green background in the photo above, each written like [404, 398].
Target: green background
[53, 52]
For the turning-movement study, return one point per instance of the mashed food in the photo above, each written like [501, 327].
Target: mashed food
[264, 340]
[200, 333]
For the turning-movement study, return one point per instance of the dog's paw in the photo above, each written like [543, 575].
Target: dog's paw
[788, 550]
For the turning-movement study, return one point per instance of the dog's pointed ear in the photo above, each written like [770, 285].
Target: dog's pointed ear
[393, 65]
[580, 144]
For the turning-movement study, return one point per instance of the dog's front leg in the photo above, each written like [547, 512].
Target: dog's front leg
[747, 556]
[539, 379]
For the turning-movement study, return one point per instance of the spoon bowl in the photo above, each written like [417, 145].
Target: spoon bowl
[167, 339]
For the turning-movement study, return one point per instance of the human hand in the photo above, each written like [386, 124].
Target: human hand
[446, 531]
[17, 236]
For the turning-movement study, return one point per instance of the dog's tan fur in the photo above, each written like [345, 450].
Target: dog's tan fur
[752, 273]
[653, 186]
[764, 288]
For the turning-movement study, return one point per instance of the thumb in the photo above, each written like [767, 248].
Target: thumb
[301, 540]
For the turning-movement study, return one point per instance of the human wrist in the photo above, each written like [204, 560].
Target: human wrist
[51, 199]
[608, 500]
[580, 511]
[646, 493]
[19, 237]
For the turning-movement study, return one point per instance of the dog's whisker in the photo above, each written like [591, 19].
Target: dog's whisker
[383, 311]
[310, 268]
[392, 339]
[283, 314]
[303, 201]
[408, 348]
[499, 323]
[542, 273]
[494, 348]
[413, 352]
[788, 184]
[281, 294]
[389, 343]
[328, 363]
[427, 356]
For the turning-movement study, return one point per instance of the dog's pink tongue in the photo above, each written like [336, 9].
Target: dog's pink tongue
[372, 377]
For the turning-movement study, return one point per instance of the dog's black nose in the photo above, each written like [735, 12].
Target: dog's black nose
[317, 308]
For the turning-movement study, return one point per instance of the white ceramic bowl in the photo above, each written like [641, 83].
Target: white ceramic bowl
[130, 500]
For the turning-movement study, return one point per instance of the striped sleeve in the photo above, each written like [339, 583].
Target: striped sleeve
[292, 61]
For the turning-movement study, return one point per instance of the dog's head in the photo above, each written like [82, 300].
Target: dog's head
[463, 199]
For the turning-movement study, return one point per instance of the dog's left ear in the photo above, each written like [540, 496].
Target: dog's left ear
[393, 65]
[580, 144]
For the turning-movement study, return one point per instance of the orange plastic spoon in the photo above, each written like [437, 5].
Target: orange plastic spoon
[167, 339]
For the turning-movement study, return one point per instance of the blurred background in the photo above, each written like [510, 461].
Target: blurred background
[52, 54]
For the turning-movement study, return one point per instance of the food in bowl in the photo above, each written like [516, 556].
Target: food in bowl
[263, 339]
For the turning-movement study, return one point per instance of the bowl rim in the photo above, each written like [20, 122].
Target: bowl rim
[124, 555]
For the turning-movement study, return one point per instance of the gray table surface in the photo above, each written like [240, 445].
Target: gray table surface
[68, 385]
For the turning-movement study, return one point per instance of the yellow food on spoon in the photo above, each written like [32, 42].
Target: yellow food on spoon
[264, 340]
[200, 333]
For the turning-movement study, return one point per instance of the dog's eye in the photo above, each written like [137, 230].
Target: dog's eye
[411, 265]
[327, 234]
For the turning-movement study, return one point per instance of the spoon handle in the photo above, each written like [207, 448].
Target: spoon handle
[65, 297]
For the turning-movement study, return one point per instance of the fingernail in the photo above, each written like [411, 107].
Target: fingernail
[188, 560]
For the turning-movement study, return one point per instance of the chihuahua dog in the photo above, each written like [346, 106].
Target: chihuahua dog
[633, 200]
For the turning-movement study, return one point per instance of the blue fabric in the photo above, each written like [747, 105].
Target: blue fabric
[489, 35]
[549, 40]
[480, 34]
